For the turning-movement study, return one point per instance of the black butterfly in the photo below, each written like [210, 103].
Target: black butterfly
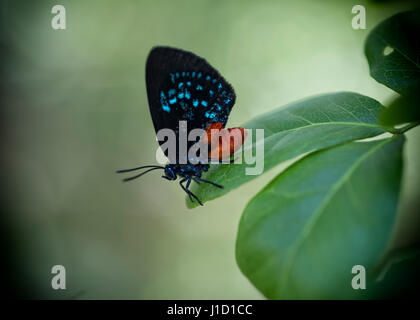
[184, 87]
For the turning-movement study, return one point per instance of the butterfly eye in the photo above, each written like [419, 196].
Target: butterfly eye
[169, 173]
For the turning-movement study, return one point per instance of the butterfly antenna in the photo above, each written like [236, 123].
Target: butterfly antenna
[134, 169]
[139, 175]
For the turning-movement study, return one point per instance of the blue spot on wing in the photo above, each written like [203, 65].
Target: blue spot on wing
[183, 105]
[164, 102]
[210, 115]
[187, 94]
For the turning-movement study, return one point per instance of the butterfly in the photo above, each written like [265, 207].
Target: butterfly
[184, 88]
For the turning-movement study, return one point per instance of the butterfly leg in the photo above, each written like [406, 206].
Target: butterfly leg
[188, 184]
[185, 189]
[206, 181]
[190, 193]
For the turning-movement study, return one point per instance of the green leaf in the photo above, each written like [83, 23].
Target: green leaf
[302, 234]
[403, 109]
[392, 50]
[306, 125]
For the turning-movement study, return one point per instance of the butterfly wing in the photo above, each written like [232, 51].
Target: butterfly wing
[184, 87]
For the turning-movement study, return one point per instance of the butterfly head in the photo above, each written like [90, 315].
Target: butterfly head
[169, 173]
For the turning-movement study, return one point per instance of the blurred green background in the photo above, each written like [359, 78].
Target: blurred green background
[75, 109]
